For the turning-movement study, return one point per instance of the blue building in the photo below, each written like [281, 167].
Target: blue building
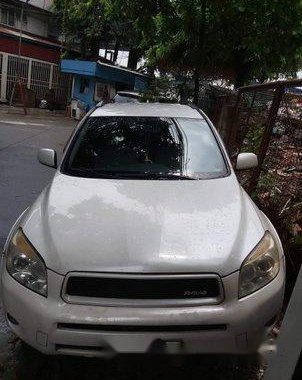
[92, 79]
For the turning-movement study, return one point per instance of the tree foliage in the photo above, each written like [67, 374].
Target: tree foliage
[92, 23]
[236, 39]
[82, 23]
[239, 40]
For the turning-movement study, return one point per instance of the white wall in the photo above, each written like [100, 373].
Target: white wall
[37, 26]
[45, 4]
[36, 23]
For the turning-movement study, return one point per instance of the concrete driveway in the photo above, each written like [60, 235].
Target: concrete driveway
[21, 180]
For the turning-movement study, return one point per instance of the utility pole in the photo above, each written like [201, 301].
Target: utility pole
[21, 28]
[18, 76]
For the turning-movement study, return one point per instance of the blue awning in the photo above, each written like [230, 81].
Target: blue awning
[106, 72]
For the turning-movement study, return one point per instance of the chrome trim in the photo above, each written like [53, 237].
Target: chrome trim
[141, 302]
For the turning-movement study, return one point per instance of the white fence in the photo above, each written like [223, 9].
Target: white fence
[37, 75]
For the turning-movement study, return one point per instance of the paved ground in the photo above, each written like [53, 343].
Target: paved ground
[21, 180]
[22, 177]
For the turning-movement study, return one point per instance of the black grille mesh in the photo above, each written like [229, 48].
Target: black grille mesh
[129, 288]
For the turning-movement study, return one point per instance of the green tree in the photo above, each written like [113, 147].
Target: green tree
[240, 40]
[92, 24]
[82, 23]
[264, 38]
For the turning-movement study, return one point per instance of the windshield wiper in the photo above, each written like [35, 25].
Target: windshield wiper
[92, 173]
[168, 176]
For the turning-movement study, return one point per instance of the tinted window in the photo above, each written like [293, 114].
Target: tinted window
[145, 147]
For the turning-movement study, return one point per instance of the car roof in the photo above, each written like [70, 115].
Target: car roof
[147, 109]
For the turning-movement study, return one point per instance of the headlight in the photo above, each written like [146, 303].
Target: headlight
[25, 265]
[260, 267]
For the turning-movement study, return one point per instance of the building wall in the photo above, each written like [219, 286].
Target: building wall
[39, 54]
[90, 96]
[87, 96]
[35, 21]
[37, 26]
[29, 49]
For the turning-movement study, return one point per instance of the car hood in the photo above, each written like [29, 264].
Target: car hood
[143, 226]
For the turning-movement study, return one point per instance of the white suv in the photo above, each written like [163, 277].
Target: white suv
[144, 241]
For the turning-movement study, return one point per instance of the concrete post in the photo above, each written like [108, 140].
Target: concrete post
[72, 86]
[282, 364]
[51, 77]
[4, 77]
[29, 73]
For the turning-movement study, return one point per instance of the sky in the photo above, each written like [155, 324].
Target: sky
[122, 58]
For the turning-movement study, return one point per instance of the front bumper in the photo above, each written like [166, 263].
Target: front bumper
[53, 326]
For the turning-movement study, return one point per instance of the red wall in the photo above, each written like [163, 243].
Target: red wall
[31, 50]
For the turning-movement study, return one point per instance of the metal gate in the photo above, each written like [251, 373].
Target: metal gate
[16, 66]
[267, 121]
[265, 118]
[61, 83]
[39, 76]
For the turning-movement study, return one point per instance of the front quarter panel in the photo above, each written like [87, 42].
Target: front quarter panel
[268, 226]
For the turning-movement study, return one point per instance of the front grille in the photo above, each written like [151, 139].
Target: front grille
[143, 288]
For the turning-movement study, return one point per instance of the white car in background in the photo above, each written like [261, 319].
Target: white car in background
[144, 241]
[127, 97]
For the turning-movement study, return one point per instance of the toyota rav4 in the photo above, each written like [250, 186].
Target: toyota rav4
[144, 241]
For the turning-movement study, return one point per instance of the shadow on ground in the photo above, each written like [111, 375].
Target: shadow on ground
[18, 361]
[24, 363]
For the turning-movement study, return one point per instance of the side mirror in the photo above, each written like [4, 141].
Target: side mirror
[246, 161]
[48, 157]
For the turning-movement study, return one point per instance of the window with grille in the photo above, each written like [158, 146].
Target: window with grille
[8, 16]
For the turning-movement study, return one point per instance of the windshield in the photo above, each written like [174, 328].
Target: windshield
[145, 147]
